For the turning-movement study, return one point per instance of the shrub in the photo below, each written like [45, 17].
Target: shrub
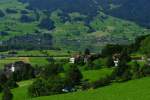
[38, 88]
[11, 83]
[85, 85]
[136, 70]
[110, 49]
[102, 82]
[97, 64]
[145, 70]
[55, 85]
[122, 72]
[2, 14]
[109, 61]
[126, 76]
[87, 52]
[44, 87]
[3, 79]
[1, 88]
[26, 18]
[47, 24]
[24, 71]
[11, 10]
[89, 66]
[73, 76]
[51, 70]
[24, 12]
[7, 95]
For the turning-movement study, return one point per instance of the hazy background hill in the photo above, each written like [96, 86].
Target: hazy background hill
[73, 24]
[135, 10]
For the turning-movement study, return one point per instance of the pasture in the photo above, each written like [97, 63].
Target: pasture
[131, 90]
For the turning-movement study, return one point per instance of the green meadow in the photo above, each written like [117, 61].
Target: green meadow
[131, 90]
[26, 56]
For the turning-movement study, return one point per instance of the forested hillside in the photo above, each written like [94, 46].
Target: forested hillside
[135, 10]
[73, 24]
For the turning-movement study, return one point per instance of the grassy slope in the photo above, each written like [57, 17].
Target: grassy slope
[21, 92]
[93, 75]
[132, 90]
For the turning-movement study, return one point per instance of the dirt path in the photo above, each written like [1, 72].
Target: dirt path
[24, 59]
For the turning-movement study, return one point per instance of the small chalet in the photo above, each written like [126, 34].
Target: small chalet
[83, 58]
[19, 67]
[116, 58]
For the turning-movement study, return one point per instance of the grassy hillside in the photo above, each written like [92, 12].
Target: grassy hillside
[132, 90]
[20, 93]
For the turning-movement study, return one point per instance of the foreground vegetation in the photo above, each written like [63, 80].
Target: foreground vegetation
[132, 90]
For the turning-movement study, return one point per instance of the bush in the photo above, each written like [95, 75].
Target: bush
[55, 85]
[47, 24]
[145, 70]
[109, 61]
[24, 12]
[11, 10]
[110, 49]
[7, 95]
[87, 52]
[11, 83]
[89, 66]
[85, 85]
[26, 18]
[73, 76]
[2, 14]
[136, 70]
[24, 71]
[38, 88]
[1, 88]
[126, 76]
[102, 82]
[45, 87]
[122, 72]
[97, 64]
[51, 70]
[3, 79]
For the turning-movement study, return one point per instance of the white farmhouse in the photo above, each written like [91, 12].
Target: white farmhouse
[72, 60]
[116, 62]
[12, 69]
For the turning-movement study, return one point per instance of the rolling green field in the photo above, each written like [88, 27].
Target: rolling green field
[57, 55]
[93, 75]
[7, 61]
[132, 90]
[40, 53]
[41, 61]
[20, 93]
[33, 60]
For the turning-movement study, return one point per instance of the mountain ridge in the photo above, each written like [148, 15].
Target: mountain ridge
[71, 28]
